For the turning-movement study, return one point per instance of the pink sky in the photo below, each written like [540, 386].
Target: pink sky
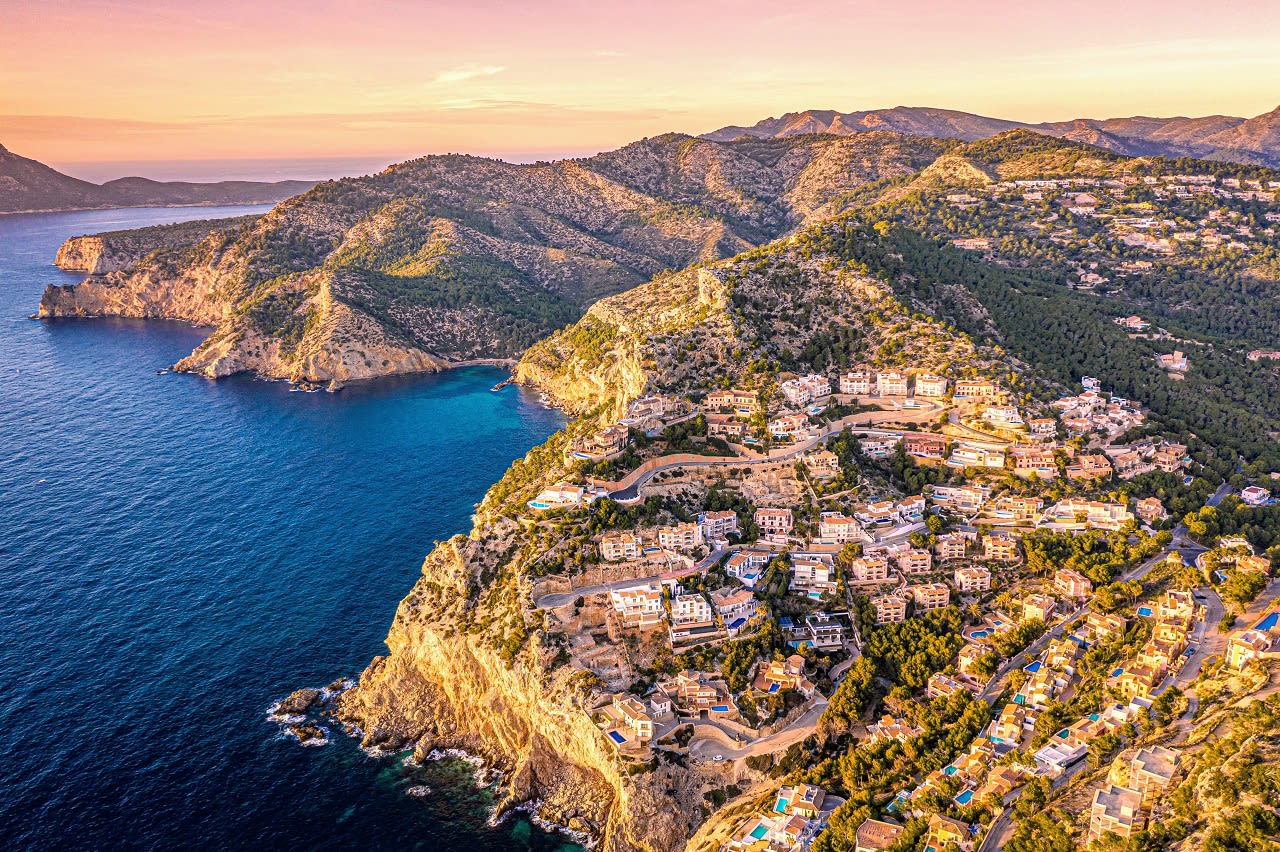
[89, 81]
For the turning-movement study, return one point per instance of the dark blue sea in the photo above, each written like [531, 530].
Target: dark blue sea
[176, 554]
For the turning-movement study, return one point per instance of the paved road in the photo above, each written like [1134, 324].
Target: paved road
[865, 419]
[801, 727]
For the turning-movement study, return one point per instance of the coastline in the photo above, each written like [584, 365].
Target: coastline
[109, 207]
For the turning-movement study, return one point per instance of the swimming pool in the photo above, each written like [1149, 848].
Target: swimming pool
[1117, 673]
[1032, 667]
[720, 708]
[1145, 611]
[780, 806]
[759, 832]
[1268, 622]
[965, 797]
[980, 634]
[617, 737]
[773, 687]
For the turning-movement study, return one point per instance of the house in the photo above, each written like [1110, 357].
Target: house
[1072, 584]
[930, 385]
[972, 455]
[777, 676]
[1128, 463]
[683, 536]
[800, 799]
[1043, 427]
[1254, 644]
[616, 545]
[1255, 495]
[879, 447]
[922, 445]
[1034, 461]
[1170, 458]
[1103, 626]
[930, 595]
[874, 835]
[1003, 415]
[737, 400]
[746, 566]
[562, 495]
[891, 728]
[806, 388]
[1017, 509]
[789, 426]
[839, 528]
[1133, 323]
[628, 715]
[915, 561]
[943, 686]
[971, 659]
[974, 389]
[1074, 513]
[974, 578]
[1151, 770]
[857, 383]
[891, 383]
[945, 831]
[717, 526]
[1006, 729]
[824, 632]
[735, 608]
[953, 545]
[1114, 810]
[1151, 510]
[1089, 466]
[690, 608]
[1001, 547]
[1040, 607]
[965, 499]
[812, 576]
[890, 609]
[867, 570]
[605, 444]
[822, 464]
[725, 426]
[640, 606]
[1175, 362]
[773, 522]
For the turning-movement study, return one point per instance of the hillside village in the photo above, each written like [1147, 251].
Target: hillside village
[768, 558]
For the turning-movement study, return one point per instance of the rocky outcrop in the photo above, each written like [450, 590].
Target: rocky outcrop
[114, 251]
[446, 682]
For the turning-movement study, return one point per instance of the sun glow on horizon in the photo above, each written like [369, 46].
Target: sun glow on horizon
[96, 81]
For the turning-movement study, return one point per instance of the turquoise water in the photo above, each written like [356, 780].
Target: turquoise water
[177, 554]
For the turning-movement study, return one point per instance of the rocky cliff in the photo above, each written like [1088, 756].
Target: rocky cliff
[468, 667]
[114, 251]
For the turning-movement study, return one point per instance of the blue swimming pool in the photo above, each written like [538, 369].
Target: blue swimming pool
[1032, 667]
[1269, 622]
[617, 737]
[1144, 611]
[965, 797]
[1117, 673]
[759, 832]
[773, 687]
[720, 708]
[979, 634]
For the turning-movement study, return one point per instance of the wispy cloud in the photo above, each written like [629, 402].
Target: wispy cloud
[468, 72]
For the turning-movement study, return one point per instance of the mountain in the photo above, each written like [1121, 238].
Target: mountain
[1220, 137]
[27, 185]
[453, 258]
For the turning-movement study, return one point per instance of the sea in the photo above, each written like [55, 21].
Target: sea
[177, 554]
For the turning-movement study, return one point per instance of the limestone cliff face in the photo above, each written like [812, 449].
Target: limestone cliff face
[115, 251]
[605, 359]
[445, 683]
[141, 294]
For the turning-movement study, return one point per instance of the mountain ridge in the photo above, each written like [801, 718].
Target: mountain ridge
[1254, 141]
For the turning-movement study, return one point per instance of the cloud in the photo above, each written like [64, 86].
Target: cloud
[468, 72]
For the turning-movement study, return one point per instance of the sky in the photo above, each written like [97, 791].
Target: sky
[203, 89]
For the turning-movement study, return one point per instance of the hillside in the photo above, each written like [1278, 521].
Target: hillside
[1217, 137]
[27, 185]
[453, 258]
